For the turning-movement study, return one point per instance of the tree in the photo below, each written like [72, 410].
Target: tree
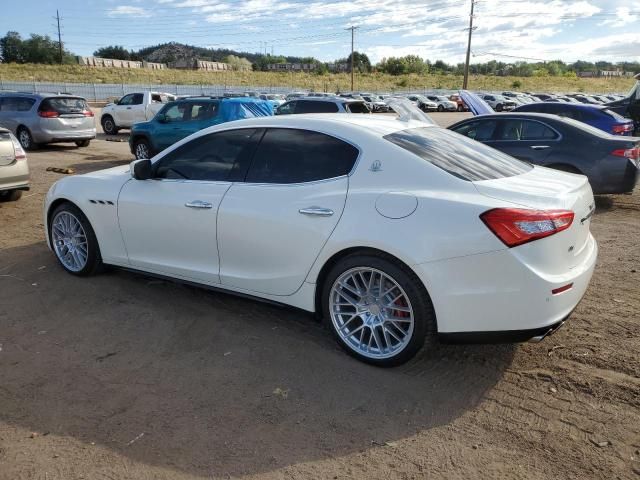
[115, 52]
[238, 63]
[11, 48]
[361, 62]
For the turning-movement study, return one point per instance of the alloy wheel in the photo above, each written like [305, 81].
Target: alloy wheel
[142, 151]
[371, 313]
[25, 139]
[69, 241]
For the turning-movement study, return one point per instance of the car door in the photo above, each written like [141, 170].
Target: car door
[8, 111]
[170, 126]
[272, 227]
[122, 111]
[481, 130]
[529, 140]
[169, 223]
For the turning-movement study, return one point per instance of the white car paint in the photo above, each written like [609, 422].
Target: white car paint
[267, 249]
[125, 116]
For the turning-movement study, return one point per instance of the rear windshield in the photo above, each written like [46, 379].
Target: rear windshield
[460, 156]
[64, 105]
[357, 107]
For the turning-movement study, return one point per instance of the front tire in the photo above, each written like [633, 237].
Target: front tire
[440, 108]
[377, 309]
[499, 107]
[83, 143]
[109, 125]
[73, 241]
[142, 149]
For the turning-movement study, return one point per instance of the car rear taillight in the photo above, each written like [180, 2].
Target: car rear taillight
[516, 226]
[87, 113]
[632, 153]
[48, 113]
[18, 150]
[622, 128]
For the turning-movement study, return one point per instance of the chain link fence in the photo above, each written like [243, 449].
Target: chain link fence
[102, 92]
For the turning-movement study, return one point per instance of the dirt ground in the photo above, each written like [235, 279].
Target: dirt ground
[121, 376]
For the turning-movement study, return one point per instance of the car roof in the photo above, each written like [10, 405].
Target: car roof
[375, 124]
[581, 106]
[328, 99]
[39, 94]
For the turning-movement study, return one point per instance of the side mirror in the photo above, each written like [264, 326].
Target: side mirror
[141, 169]
[162, 118]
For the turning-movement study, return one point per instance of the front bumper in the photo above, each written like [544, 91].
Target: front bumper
[496, 293]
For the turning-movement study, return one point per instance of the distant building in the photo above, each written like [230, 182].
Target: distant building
[291, 67]
[338, 67]
[587, 74]
[195, 64]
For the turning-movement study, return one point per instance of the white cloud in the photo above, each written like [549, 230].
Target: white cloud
[128, 10]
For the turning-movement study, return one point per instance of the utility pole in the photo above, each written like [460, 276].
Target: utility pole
[466, 63]
[59, 36]
[353, 29]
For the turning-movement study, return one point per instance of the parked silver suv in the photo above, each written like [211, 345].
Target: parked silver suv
[14, 171]
[47, 118]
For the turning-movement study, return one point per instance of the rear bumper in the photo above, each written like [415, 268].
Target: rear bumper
[15, 176]
[496, 294]
[506, 336]
[53, 136]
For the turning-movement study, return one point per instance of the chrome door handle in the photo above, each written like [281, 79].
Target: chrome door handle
[319, 211]
[539, 147]
[198, 204]
[128, 108]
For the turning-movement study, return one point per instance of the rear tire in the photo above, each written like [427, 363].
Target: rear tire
[440, 108]
[83, 143]
[26, 139]
[499, 107]
[10, 195]
[370, 314]
[76, 248]
[109, 125]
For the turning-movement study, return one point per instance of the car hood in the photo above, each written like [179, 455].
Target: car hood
[108, 173]
[476, 105]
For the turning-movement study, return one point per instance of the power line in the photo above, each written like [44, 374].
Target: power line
[353, 29]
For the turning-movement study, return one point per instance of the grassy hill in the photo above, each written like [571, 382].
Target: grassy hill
[328, 82]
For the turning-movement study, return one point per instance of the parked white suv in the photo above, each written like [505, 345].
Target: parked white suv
[132, 108]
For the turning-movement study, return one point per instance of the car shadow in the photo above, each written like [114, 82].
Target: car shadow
[219, 385]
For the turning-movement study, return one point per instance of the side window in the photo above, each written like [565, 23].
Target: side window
[137, 99]
[176, 113]
[287, 108]
[126, 100]
[481, 131]
[25, 104]
[305, 106]
[356, 107]
[222, 157]
[156, 98]
[202, 111]
[537, 131]
[297, 156]
[9, 104]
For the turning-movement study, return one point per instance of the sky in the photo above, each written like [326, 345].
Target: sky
[505, 30]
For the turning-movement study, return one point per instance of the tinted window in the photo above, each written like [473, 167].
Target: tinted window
[16, 104]
[64, 105]
[137, 99]
[357, 107]
[525, 130]
[287, 108]
[462, 157]
[296, 156]
[482, 130]
[222, 156]
[306, 106]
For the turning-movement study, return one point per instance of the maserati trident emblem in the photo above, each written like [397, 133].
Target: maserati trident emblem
[376, 166]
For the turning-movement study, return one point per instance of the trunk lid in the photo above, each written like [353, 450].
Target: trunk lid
[546, 189]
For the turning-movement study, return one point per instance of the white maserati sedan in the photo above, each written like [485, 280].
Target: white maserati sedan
[396, 233]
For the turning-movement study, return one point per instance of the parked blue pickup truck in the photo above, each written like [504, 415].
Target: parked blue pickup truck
[179, 119]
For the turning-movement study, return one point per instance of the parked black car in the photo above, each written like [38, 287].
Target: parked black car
[629, 106]
[610, 162]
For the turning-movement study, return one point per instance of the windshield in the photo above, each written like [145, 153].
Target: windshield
[443, 99]
[460, 156]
